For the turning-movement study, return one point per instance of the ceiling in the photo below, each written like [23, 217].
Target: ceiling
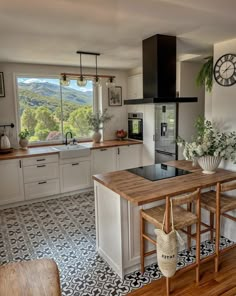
[51, 31]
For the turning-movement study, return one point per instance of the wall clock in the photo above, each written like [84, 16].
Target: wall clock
[225, 70]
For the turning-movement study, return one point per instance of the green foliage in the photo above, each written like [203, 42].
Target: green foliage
[205, 75]
[78, 120]
[28, 120]
[96, 120]
[24, 134]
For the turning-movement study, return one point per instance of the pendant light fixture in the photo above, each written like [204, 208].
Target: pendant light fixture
[65, 81]
[111, 82]
[81, 80]
[96, 80]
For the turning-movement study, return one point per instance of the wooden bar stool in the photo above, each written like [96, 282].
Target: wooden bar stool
[182, 218]
[30, 278]
[218, 204]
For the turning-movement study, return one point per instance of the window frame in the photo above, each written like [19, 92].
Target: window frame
[17, 108]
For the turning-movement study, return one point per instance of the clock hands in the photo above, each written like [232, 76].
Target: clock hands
[228, 68]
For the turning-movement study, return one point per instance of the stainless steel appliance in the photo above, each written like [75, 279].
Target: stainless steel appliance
[135, 126]
[165, 132]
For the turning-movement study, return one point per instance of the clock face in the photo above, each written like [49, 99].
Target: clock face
[225, 70]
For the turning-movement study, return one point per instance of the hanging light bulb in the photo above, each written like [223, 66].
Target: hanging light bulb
[64, 80]
[96, 80]
[81, 81]
[110, 82]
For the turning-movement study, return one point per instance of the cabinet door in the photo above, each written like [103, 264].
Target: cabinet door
[148, 135]
[103, 160]
[40, 172]
[75, 176]
[135, 87]
[129, 157]
[11, 181]
[42, 188]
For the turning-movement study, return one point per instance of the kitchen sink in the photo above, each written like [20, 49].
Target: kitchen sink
[72, 151]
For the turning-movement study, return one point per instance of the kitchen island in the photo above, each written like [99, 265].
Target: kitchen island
[120, 195]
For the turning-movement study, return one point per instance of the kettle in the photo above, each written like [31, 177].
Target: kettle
[5, 143]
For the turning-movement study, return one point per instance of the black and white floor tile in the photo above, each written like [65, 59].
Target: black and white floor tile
[64, 229]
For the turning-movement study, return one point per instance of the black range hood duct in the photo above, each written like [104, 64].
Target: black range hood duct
[159, 72]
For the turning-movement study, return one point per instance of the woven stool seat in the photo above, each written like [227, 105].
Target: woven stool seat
[208, 202]
[182, 218]
[30, 278]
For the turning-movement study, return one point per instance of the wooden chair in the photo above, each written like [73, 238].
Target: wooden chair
[182, 218]
[218, 204]
[30, 278]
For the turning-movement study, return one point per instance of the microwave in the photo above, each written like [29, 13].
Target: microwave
[135, 126]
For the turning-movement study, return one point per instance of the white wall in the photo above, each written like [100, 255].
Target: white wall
[188, 112]
[223, 111]
[7, 104]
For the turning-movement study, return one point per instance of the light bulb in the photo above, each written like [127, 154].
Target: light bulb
[81, 81]
[64, 81]
[110, 82]
[97, 81]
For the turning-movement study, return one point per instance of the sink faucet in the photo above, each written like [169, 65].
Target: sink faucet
[66, 137]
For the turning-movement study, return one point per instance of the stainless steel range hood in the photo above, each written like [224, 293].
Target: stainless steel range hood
[159, 72]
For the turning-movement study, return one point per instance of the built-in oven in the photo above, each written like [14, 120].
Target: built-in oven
[135, 126]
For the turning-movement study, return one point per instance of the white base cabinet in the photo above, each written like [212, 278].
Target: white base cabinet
[42, 188]
[103, 160]
[11, 181]
[75, 174]
[129, 157]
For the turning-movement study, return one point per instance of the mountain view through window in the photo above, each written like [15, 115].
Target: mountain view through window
[48, 110]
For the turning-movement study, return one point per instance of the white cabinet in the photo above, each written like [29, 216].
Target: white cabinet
[103, 160]
[11, 181]
[75, 174]
[135, 87]
[41, 177]
[148, 134]
[129, 156]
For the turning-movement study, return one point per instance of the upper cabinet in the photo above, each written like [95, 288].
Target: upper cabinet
[135, 87]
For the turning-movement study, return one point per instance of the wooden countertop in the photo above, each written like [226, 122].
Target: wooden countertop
[142, 191]
[45, 150]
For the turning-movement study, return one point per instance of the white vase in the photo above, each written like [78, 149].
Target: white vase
[209, 163]
[24, 143]
[96, 137]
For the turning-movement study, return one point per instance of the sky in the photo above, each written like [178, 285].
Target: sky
[73, 84]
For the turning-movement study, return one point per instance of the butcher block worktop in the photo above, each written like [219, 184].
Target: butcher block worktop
[45, 150]
[139, 190]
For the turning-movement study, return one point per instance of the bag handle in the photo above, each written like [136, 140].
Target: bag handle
[172, 218]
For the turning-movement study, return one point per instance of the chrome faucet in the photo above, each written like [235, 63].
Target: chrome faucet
[66, 137]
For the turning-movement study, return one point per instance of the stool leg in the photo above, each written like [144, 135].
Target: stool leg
[212, 225]
[141, 242]
[217, 239]
[198, 239]
[167, 286]
[189, 228]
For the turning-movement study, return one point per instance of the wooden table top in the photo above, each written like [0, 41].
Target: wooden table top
[141, 191]
[45, 150]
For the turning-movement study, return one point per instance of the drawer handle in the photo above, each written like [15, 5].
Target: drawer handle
[103, 149]
[44, 182]
[41, 166]
[75, 163]
[42, 159]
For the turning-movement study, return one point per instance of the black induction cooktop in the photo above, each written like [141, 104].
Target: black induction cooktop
[158, 171]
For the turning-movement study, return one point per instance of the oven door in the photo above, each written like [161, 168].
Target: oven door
[135, 128]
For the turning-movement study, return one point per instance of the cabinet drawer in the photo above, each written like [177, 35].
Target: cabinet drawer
[40, 160]
[41, 189]
[40, 172]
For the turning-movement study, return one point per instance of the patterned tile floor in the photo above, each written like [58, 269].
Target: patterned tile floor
[64, 229]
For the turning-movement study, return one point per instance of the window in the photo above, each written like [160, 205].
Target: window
[49, 110]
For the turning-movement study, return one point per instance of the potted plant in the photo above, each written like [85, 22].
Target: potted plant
[209, 146]
[96, 121]
[23, 135]
[205, 75]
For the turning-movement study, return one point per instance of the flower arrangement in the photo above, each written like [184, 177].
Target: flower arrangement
[209, 141]
[95, 121]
